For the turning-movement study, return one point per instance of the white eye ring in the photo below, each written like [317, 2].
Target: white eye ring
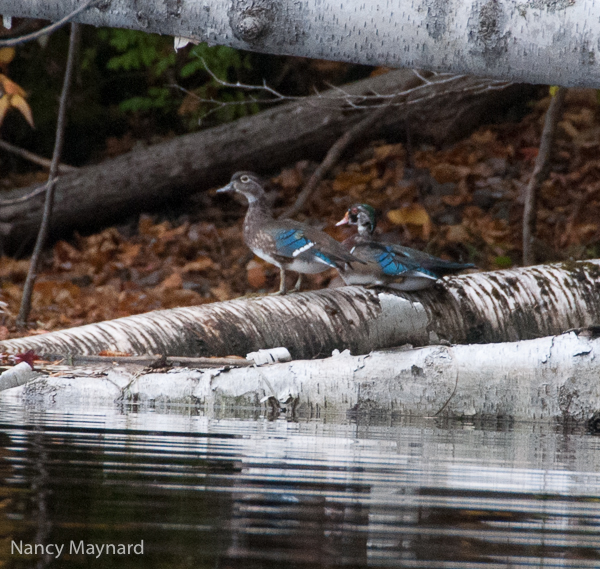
[244, 179]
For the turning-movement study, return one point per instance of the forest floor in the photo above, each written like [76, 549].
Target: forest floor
[463, 203]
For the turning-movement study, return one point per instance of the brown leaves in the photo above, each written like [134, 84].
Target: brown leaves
[13, 97]
[256, 274]
[460, 202]
[414, 214]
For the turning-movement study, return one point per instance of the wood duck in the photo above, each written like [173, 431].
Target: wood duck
[388, 264]
[288, 244]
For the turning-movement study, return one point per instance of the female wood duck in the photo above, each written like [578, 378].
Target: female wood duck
[389, 264]
[288, 244]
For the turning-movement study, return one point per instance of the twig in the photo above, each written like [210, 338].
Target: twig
[39, 160]
[540, 172]
[51, 183]
[333, 155]
[48, 29]
[150, 360]
[358, 102]
[39, 190]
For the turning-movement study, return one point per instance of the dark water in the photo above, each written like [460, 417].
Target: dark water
[249, 492]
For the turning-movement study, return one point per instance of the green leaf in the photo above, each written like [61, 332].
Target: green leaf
[503, 261]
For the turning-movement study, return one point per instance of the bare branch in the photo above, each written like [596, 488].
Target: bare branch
[39, 190]
[333, 155]
[39, 160]
[356, 102]
[540, 172]
[48, 29]
[52, 178]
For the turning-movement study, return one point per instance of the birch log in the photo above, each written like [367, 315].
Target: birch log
[548, 378]
[543, 41]
[500, 306]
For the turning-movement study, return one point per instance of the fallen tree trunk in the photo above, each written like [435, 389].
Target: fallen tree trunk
[543, 41]
[548, 378]
[498, 306]
[172, 171]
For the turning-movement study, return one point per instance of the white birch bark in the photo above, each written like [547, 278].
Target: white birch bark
[535, 41]
[499, 306]
[548, 378]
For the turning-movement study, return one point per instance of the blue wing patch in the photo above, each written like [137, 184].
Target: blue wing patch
[391, 266]
[292, 242]
[324, 258]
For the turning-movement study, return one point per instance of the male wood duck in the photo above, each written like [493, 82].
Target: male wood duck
[389, 264]
[288, 244]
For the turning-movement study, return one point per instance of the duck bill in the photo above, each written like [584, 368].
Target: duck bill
[344, 221]
[225, 189]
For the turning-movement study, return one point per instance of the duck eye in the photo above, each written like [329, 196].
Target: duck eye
[244, 179]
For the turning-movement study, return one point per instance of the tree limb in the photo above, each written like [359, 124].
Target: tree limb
[534, 42]
[179, 168]
[49, 29]
[51, 183]
[551, 378]
[334, 154]
[39, 160]
[498, 306]
[539, 174]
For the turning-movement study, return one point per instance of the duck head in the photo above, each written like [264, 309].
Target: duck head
[363, 216]
[246, 183]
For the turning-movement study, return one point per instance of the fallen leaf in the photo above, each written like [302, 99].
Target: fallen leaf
[128, 253]
[114, 354]
[173, 281]
[10, 87]
[347, 180]
[4, 106]
[455, 201]
[222, 291]
[6, 55]
[289, 179]
[444, 173]
[256, 274]
[569, 129]
[199, 265]
[13, 96]
[385, 151]
[414, 214]
[529, 153]
[29, 356]
[18, 102]
[457, 234]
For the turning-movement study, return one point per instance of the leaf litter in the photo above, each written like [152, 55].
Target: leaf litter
[462, 202]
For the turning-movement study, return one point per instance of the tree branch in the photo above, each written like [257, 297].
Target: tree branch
[518, 41]
[540, 173]
[51, 183]
[334, 154]
[48, 29]
[500, 306]
[39, 160]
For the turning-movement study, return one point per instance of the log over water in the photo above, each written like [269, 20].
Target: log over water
[548, 378]
[499, 306]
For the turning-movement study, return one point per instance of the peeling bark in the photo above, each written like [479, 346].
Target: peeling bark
[548, 378]
[500, 306]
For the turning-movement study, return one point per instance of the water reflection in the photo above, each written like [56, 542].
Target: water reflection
[243, 491]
